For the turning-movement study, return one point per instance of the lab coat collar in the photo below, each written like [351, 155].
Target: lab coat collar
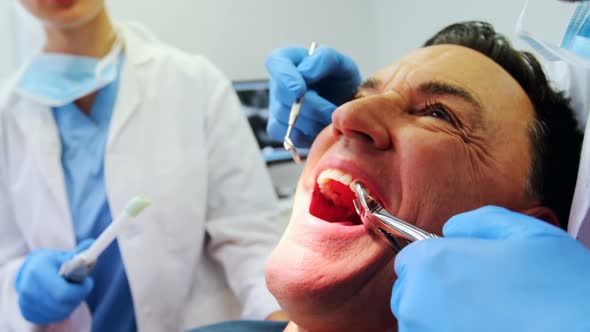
[139, 50]
[139, 43]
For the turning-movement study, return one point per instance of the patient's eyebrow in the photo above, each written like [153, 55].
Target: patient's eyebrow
[444, 88]
[369, 84]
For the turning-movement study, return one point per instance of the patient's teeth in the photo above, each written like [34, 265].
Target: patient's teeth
[346, 179]
[329, 175]
[335, 175]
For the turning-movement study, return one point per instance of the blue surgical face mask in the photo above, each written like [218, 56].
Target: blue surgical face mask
[575, 45]
[577, 35]
[59, 79]
[567, 65]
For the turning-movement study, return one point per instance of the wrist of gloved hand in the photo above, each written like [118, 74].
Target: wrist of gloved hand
[325, 80]
[306, 128]
[495, 270]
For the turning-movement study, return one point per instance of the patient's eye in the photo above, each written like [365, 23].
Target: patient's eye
[437, 110]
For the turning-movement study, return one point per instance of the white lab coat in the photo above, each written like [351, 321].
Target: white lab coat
[178, 136]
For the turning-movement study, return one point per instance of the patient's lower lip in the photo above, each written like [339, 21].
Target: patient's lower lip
[335, 231]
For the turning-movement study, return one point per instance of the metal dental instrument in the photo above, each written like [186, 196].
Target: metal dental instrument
[287, 142]
[386, 226]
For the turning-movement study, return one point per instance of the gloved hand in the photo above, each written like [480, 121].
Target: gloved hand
[495, 270]
[43, 295]
[330, 79]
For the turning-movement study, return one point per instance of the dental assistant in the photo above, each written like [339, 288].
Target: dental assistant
[105, 113]
[502, 271]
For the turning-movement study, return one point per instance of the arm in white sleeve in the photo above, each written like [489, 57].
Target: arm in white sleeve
[242, 214]
[13, 250]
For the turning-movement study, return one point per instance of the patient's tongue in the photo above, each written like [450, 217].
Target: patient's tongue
[338, 207]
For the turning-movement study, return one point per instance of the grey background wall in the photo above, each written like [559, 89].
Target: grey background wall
[238, 34]
[404, 25]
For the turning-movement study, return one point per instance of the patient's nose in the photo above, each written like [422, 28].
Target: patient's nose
[365, 118]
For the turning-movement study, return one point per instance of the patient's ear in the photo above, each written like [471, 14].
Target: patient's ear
[543, 213]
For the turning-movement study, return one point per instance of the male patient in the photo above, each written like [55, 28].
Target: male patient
[444, 130]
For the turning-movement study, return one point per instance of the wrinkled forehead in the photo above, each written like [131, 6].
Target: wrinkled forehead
[492, 86]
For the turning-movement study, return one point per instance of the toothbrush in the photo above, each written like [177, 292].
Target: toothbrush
[79, 267]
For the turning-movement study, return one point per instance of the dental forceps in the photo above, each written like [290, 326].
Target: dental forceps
[384, 224]
[293, 114]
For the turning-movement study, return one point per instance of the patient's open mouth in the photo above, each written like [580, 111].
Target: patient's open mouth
[332, 198]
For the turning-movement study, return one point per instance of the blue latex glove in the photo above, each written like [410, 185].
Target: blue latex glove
[43, 295]
[327, 78]
[495, 270]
